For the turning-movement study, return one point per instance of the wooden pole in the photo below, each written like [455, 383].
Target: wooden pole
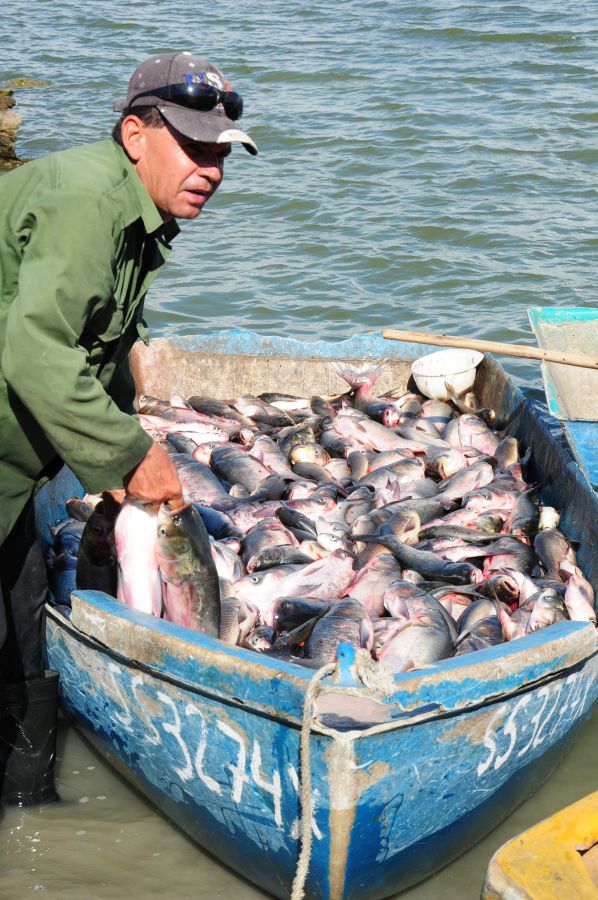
[445, 340]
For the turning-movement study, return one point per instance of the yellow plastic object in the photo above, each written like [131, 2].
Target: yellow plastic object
[555, 860]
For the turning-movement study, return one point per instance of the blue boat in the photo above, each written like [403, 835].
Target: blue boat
[254, 757]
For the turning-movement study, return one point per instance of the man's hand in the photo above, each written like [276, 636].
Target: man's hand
[155, 480]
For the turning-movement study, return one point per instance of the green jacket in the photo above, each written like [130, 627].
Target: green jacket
[80, 243]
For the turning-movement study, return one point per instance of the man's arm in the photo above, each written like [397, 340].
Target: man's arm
[66, 275]
[122, 388]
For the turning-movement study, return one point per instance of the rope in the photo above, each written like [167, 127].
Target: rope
[313, 688]
[378, 677]
[375, 676]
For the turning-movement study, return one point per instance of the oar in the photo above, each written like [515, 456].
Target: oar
[445, 340]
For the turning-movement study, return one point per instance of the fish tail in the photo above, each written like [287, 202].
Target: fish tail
[356, 377]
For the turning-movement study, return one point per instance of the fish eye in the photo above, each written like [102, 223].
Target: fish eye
[255, 579]
[161, 531]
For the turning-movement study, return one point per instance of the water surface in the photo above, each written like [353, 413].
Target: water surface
[104, 841]
[429, 165]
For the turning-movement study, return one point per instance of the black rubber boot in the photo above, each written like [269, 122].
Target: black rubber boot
[28, 723]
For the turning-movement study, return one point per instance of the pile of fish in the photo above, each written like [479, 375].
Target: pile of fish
[401, 525]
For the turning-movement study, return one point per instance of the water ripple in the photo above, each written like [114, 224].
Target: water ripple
[430, 164]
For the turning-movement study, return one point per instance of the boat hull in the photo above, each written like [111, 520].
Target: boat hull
[211, 734]
[394, 802]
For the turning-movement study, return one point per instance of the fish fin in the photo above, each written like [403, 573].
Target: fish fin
[526, 456]
[395, 393]
[462, 636]
[297, 636]
[307, 589]
[179, 402]
[366, 634]
[359, 376]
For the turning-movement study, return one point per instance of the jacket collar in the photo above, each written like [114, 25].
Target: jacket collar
[145, 207]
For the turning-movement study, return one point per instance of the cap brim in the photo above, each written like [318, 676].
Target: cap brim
[209, 128]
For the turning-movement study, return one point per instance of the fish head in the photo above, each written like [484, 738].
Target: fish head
[358, 503]
[503, 586]
[449, 462]
[309, 453]
[417, 642]
[390, 416]
[175, 530]
[301, 490]
[97, 540]
[332, 541]
[395, 605]
[549, 517]
[489, 629]
[490, 522]
[313, 549]
[312, 506]
[203, 452]
[260, 639]
[438, 413]
[169, 522]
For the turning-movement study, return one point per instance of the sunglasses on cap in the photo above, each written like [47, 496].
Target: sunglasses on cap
[198, 95]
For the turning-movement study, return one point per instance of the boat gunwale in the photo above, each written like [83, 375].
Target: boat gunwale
[408, 719]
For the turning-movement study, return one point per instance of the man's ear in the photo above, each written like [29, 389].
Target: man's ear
[133, 137]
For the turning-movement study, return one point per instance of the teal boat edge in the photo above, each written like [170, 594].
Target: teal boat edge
[400, 786]
[248, 343]
[561, 315]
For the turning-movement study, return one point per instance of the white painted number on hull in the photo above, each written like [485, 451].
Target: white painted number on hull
[558, 705]
[191, 728]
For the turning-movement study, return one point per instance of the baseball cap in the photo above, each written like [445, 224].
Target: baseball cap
[165, 71]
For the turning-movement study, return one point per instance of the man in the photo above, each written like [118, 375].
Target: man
[83, 234]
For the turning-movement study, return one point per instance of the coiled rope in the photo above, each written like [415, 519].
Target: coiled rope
[379, 680]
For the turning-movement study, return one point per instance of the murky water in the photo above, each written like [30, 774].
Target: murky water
[427, 165]
[104, 841]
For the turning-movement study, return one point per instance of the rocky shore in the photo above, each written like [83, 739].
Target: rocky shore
[9, 126]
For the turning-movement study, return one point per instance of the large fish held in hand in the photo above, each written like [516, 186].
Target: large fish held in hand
[190, 588]
[135, 539]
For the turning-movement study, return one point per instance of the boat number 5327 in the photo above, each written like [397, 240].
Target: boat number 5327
[521, 727]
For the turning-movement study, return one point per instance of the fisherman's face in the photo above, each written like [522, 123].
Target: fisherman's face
[179, 174]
